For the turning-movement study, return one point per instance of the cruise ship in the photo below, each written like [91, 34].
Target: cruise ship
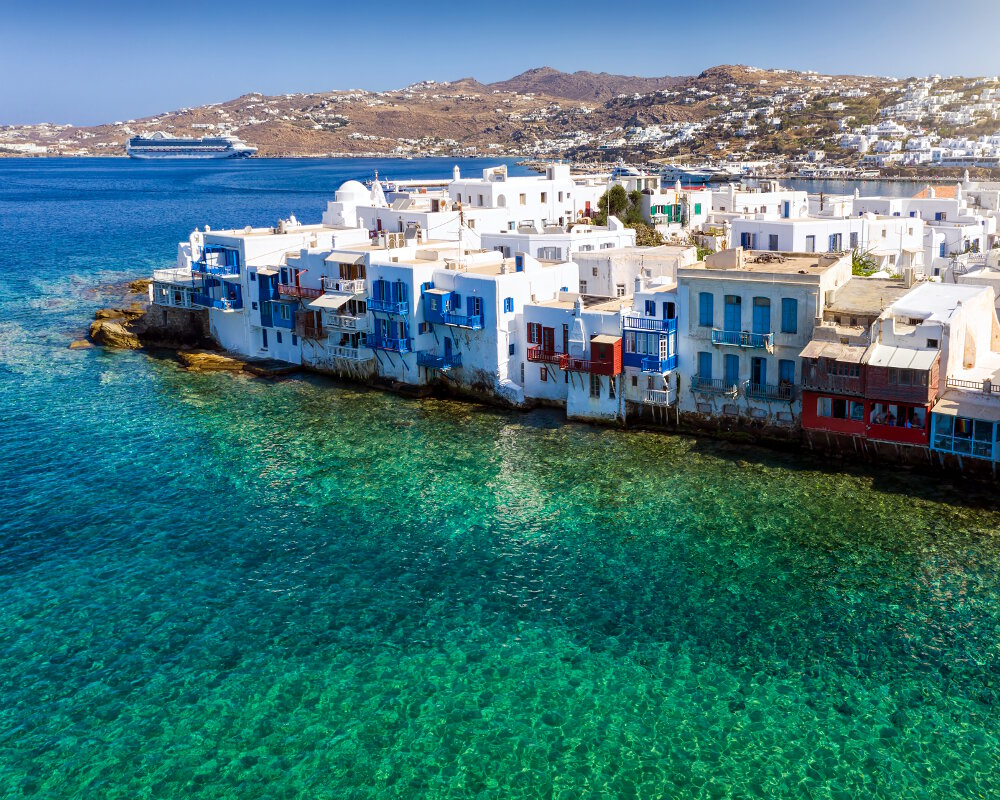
[160, 145]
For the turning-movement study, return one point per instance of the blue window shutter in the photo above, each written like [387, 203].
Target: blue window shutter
[705, 365]
[705, 311]
[789, 315]
[786, 371]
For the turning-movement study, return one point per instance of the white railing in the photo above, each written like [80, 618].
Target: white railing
[350, 353]
[180, 275]
[344, 286]
[345, 322]
[656, 397]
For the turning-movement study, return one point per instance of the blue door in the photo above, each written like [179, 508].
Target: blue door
[761, 315]
[786, 371]
[734, 313]
[732, 376]
[758, 371]
[788, 209]
[447, 348]
[705, 366]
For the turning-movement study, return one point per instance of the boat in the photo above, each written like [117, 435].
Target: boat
[160, 145]
[691, 176]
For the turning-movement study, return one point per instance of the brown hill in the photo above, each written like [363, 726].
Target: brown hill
[594, 86]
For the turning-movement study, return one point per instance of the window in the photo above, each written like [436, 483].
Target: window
[789, 315]
[838, 408]
[706, 312]
[907, 377]
[278, 334]
[545, 197]
[697, 208]
[650, 308]
[543, 374]
[508, 305]
[835, 243]
[253, 306]
[595, 272]
[772, 241]
[480, 200]
[295, 340]
[635, 380]
[854, 240]
[253, 277]
[560, 196]
[620, 290]
[583, 287]
[786, 371]
[898, 416]
[933, 343]
[285, 312]
[941, 250]
[595, 385]
[523, 199]
[611, 388]
[705, 366]
[511, 349]
[456, 301]
[426, 285]
[534, 333]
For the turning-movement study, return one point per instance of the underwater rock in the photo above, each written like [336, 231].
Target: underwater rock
[201, 361]
[113, 334]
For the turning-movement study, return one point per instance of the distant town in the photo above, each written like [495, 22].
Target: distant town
[769, 122]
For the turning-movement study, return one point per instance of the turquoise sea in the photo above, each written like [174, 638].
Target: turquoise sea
[221, 587]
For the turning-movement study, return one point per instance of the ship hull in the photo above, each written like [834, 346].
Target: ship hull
[188, 156]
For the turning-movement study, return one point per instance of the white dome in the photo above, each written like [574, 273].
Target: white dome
[352, 192]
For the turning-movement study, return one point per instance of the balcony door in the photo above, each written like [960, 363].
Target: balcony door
[761, 315]
[548, 340]
[447, 347]
[705, 366]
[733, 318]
[758, 371]
[732, 370]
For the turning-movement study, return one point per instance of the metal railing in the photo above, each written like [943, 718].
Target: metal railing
[747, 339]
[813, 378]
[177, 275]
[299, 291]
[432, 361]
[784, 392]
[713, 386]
[219, 270]
[649, 324]
[472, 321]
[653, 364]
[537, 354]
[588, 365]
[656, 397]
[345, 322]
[395, 345]
[986, 387]
[350, 286]
[389, 306]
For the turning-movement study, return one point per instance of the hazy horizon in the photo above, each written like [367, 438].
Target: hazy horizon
[87, 67]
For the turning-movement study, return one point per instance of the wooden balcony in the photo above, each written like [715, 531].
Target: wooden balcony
[299, 291]
[538, 355]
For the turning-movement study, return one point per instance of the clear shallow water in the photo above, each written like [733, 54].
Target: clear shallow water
[223, 587]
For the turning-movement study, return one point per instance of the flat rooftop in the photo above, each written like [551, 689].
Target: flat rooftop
[767, 262]
[591, 303]
[866, 295]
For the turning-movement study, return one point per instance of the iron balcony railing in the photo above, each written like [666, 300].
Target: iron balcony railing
[395, 345]
[713, 386]
[655, 365]
[179, 276]
[389, 306]
[222, 303]
[471, 321]
[218, 270]
[784, 392]
[762, 341]
[649, 324]
[432, 361]
[587, 365]
[815, 379]
[537, 354]
[656, 397]
[349, 286]
[986, 387]
[299, 291]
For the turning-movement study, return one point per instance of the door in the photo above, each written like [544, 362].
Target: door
[758, 371]
[734, 312]
[548, 340]
[788, 209]
[761, 315]
[669, 312]
[786, 371]
[447, 348]
[263, 338]
[732, 370]
[811, 244]
[705, 366]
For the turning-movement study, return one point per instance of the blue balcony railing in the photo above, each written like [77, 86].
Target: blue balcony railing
[713, 386]
[761, 341]
[472, 321]
[389, 306]
[769, 391]
[432, 361]
[649, 324]
[220, 270]
[653, 364]
[395, 345]
[201, 300]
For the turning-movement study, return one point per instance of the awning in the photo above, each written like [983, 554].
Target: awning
[266, 271]
[437, 291]
[852, 354]
[329, 301]
[344, 257]
[606, 339]
[902, 358]
[967, 404]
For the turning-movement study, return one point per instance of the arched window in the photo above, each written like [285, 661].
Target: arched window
[501, 201]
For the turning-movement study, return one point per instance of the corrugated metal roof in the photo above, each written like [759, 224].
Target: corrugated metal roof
[966, 404]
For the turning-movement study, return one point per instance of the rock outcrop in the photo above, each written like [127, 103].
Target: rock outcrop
[201, 361]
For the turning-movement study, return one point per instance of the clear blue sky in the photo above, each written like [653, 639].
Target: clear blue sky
[88, 62]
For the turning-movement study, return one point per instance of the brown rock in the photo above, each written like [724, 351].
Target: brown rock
[80, 344]
[139, 286]
[200, 361]
[113, 334]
